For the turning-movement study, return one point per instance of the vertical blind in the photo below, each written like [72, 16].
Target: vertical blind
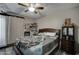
[2, 30]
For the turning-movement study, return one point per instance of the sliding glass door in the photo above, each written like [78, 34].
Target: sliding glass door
[3, 29]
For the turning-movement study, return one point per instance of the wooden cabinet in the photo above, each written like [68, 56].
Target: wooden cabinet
[68, 39]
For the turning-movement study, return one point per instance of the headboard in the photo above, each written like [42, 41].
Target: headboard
[48, 30]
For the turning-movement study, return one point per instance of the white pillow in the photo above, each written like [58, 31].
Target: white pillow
[50, 34]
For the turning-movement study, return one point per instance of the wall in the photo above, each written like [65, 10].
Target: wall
[16, 28]
[56, 19]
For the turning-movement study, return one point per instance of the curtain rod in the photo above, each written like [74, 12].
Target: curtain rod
[5, 14]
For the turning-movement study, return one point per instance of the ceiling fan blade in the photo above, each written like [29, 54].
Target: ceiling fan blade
[41, 8]
[35, 12]
[26, 10]
[22, 4]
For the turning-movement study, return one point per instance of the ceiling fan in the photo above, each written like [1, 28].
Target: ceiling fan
[32, 7]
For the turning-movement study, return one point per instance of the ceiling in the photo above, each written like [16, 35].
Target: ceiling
[14, 8]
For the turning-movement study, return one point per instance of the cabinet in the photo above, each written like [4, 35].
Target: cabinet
[68, 39]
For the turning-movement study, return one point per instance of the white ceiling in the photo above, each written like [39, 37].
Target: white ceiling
[49, 9]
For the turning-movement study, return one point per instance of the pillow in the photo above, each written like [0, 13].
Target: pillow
[50, 34]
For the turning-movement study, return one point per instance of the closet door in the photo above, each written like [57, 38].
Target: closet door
[2, 30]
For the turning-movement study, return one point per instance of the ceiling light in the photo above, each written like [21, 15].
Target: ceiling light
[31, 9]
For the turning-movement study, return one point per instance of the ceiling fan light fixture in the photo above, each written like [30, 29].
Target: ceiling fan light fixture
[31, 9]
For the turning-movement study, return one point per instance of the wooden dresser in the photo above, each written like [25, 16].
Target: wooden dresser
[68, 39]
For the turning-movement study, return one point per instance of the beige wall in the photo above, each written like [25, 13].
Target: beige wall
[56, 19]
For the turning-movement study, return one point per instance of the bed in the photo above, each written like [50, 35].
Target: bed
[48, 42]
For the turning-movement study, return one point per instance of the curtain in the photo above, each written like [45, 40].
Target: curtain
[3, 29]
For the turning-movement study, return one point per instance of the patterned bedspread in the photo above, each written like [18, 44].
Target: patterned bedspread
[39, 49]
